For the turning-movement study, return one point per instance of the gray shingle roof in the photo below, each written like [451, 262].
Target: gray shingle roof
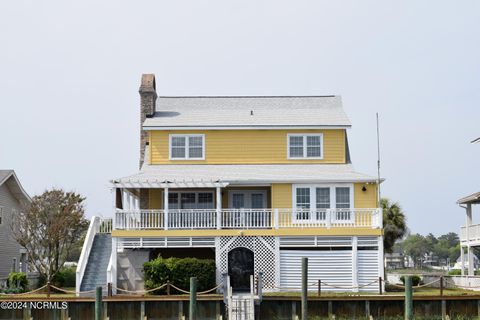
[244, 174]
[274, 111]
[10, 179]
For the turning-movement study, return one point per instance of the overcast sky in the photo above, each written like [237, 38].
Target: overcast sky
[70, 72]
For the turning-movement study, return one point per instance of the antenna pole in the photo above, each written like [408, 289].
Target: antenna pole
[378, 162]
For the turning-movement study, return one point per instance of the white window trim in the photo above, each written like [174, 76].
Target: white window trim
[196, 199]
[246, 192]
[304, 135]
[186, 136]
[313, 196]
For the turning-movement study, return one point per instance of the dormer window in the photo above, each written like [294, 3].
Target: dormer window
[305, 146]
[187, 147]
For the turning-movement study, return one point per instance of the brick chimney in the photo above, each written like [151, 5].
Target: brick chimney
[148, 98]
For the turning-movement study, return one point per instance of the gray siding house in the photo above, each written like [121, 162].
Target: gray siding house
[12, 199]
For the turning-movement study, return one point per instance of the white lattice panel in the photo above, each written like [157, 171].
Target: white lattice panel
[264, 250]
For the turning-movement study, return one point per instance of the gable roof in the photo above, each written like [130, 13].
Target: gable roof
[237, 112]
[9, 178]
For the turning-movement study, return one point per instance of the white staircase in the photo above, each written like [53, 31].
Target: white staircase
[241, 306]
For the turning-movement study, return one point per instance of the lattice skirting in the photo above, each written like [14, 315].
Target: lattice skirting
[265, 250]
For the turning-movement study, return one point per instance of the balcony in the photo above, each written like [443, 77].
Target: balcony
[473, 237]
[244, 219]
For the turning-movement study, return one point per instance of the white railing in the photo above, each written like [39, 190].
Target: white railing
[473, 233]
[248, 219]
[93, 229]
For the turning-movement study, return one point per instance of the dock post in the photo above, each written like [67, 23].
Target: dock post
[408, 298]
[193, 299]
[98, 303]
[444, 309]
[304, 288]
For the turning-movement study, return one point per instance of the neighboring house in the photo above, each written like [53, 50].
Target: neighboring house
[254, 183]
[395, 260]
[469, 234]
[13, 198]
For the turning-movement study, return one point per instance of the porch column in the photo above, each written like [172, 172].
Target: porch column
[462, 261]
[125, 202]
[219, 208]
[469, 249]
[165, 207]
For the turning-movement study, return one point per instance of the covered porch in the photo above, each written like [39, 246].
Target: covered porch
[469, 234]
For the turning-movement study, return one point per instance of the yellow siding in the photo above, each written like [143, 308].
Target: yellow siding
[281, 195]
[248, 146]
[155, 199]
[365, 199]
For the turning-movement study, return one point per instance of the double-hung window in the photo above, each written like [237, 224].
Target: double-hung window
[305, 146]
[313, 201]
[187, 147]
[190, 200]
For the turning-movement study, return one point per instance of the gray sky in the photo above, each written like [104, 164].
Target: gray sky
[70, 72]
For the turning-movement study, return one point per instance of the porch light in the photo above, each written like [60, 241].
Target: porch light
[364, 188]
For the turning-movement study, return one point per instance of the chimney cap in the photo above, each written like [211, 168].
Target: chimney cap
[148, 83]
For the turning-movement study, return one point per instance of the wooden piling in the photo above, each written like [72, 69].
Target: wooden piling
[304, 288]
[98, 303]
[193, 299]
[408, 298]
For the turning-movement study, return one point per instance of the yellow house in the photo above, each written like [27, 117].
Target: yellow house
[255, 183]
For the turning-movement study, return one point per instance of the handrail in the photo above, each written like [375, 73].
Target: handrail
[93, 229]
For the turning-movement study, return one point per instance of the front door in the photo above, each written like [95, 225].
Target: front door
[240, 268]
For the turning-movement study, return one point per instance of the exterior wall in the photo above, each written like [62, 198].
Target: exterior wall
[9, 248]
[130, 269]
[281, 195]
[248, 146]
[365, 199]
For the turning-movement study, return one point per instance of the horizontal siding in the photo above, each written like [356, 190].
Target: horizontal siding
[281, 195]
[365, 199]
[9, 248]
[248, 146]
[332, 267]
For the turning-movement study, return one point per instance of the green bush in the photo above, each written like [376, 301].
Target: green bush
[416, 280]
[17, 280]
[392, 288]
[178, 271]
[455, 272]
[64, 278]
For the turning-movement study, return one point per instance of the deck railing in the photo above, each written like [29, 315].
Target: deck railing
[473, 233]
[247, 219]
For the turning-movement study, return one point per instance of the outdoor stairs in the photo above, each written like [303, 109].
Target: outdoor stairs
[242, 307]
[96, 271]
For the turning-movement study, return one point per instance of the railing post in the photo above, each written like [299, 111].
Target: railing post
[441, 285]
[260, 287]
[328, 218]
[48, 289]
[219, 208]
[109, 289]
[380, 218]
[319, 287]
[276, 218]
[165, 208]
[168, 288]
[380, 287]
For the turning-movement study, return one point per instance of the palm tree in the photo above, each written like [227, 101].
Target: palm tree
[394, 223]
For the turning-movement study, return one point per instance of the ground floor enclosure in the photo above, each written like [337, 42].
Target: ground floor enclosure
[341, 263]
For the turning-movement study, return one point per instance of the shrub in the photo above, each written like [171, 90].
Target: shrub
[455, 272]
[416, 280]
[64, 278]
[392, 288]
[178, 271]
[17, 280]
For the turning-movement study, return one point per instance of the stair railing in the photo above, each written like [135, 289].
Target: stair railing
[93, 229]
